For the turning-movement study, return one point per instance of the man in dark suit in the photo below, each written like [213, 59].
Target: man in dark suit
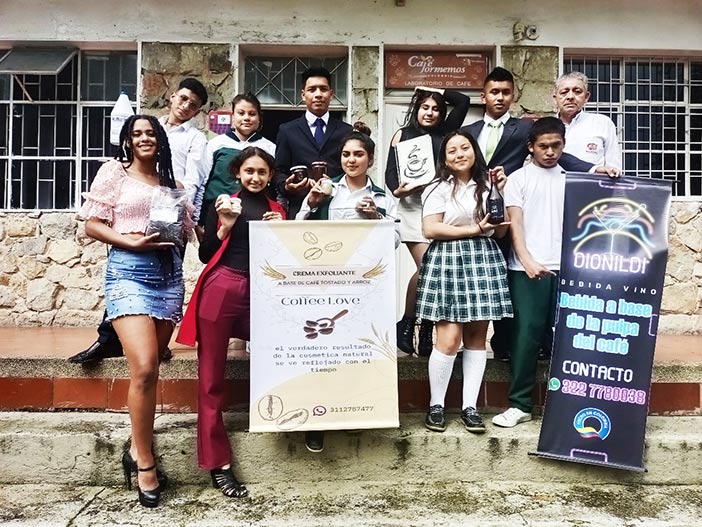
[503, 140]
[315, 136]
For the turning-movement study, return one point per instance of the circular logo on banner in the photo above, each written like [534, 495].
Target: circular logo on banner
[592, 422]
[554, 384]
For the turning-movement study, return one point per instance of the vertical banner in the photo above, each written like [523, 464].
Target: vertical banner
[323, 353]
[615, 248]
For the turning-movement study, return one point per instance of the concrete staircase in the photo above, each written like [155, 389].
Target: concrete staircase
[85, 448]
[59, 461]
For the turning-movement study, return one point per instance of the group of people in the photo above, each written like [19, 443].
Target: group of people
[463, 280]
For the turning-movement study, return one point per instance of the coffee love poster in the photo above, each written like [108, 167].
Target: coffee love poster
[323, 353]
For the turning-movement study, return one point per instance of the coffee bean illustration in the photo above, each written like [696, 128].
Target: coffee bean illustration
[313, 253]
[310, 237]
[292, 419]
[332, 247]
[270, 407]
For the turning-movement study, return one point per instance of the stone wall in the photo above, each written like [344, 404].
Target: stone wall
[164, 65]
[52, 274]
[681, 311]
[534, 69]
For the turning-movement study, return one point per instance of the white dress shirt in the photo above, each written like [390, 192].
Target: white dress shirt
[485, 132]
[312, 118]
[187, 155]
[344, 201]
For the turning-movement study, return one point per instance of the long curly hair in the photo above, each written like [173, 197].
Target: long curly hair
[478, 172]
[125, 154]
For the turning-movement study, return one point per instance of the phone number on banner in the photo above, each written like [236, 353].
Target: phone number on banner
[602, 392]
[346, 409]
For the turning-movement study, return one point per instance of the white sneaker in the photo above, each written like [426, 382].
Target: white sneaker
[511, 417]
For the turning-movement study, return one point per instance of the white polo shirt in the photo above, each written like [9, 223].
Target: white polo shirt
[459, 209]
[593, 138]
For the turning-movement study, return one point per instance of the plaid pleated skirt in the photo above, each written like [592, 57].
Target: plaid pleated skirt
[463, 281]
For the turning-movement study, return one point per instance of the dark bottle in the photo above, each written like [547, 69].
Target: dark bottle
[495, 205]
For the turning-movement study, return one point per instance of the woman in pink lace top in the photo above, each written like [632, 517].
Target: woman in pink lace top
[143, 283]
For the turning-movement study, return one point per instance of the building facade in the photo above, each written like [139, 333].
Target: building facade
[65, 62]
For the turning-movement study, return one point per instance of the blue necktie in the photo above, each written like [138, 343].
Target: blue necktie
[319, 131]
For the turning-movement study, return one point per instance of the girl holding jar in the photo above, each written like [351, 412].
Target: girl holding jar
[219, 307]
[349, 196]
[144, 280]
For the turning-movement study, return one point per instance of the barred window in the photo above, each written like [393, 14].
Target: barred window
[54, 129]
[276, 81]
[656, 105]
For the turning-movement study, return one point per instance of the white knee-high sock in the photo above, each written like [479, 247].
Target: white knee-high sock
[440, 368]
[474, 362]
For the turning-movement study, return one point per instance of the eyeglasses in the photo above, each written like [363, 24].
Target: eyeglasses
[190, 104]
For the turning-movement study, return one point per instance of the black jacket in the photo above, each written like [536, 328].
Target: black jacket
[295, 145]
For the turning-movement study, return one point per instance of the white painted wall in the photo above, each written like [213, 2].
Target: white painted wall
[623, 24]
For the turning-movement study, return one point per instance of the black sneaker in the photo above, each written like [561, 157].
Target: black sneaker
[314, 441]
[472, 420]
[435, 419]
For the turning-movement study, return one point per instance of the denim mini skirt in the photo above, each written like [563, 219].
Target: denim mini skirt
[148, 283]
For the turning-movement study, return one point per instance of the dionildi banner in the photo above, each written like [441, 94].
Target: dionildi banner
[615, 248]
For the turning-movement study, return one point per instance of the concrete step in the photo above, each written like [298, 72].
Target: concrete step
[34, 375]
[85, 449]
[361, 504]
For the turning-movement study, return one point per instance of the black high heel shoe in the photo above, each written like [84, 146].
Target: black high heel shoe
[129, 466]
[224, 480]
[149, 498]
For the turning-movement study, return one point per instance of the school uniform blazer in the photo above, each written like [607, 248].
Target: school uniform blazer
[512, 149]
[295, 145]
[187, 334]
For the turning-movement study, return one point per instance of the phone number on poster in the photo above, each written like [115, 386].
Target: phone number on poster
[602, 392]
[349, 409]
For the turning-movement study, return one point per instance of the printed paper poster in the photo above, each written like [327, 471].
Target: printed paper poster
[323, 353]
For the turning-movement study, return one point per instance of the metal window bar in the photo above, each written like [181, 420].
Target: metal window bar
[649, 101]
[266, 77]
[31, 177]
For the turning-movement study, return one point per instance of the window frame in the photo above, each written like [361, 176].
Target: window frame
[80, 175]
[619, 108]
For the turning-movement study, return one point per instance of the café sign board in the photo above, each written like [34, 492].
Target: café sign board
[436, 69]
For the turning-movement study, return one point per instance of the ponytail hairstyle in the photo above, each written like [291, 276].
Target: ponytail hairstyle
[478, 172]
[412, 121]
[361, 133]
[125, 154]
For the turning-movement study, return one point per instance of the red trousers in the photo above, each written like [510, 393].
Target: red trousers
[223, 312]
